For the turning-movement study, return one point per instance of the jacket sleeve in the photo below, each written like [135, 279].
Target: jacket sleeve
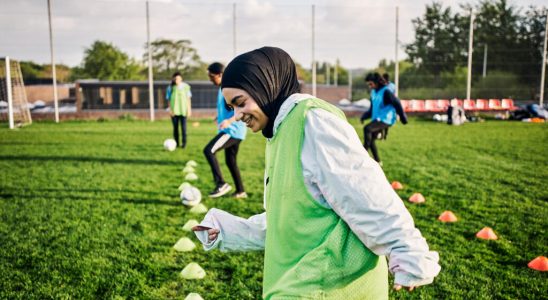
[168, 93]
[391, 99]
[367, 114]
[236, 233]
[357, 190]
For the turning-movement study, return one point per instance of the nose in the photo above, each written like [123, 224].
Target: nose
[238, 114]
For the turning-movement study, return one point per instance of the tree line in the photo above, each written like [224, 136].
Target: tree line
[512, 39]
[435, 67]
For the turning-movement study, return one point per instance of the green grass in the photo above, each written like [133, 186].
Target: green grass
[91, 209]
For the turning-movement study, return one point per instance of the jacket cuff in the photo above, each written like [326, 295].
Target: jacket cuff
[406, 279]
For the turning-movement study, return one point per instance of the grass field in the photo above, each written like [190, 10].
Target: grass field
[90, 210]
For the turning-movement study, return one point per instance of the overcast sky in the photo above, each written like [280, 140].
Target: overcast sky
[359, 33]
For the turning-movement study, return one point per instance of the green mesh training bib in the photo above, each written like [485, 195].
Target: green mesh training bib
[179, 100]
[310, 252]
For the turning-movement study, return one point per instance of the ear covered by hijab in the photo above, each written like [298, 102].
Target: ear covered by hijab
[268, 75]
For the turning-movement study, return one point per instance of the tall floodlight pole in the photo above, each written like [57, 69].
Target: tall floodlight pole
[470, 41]
[335, 71]
[484, 60]
[327, 73]
[313, 56]
[9, 93]
[150, 78]
[397, 63]
[53, 73]
[234, 29]
[541, 100]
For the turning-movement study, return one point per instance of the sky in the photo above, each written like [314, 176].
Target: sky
[357, 33]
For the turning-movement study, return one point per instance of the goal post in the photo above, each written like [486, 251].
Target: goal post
[14, 106]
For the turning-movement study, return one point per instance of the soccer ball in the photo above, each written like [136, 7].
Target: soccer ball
[191, 196]
[170, 145]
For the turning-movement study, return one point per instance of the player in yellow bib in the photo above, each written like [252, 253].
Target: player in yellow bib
[179, 96]
[331, 218]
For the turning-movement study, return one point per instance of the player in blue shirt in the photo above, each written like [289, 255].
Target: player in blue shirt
[229, 136]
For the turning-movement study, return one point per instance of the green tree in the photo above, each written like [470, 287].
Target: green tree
[105, 61]
[437, 37]
[33, 71]
[496, 26]
[170, 56]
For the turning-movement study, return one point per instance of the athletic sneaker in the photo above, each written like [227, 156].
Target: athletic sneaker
[241, 195]
[220, 190]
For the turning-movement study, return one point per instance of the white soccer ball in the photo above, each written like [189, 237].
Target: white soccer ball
[170, 145]
[191, 196]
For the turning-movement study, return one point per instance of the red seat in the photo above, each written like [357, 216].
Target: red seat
[417, 105]
[508, 104]
[456, 102]
[443, 104]
[469, 104]
[482, 104]
[405, 105]
[431, 105]
[494, 104]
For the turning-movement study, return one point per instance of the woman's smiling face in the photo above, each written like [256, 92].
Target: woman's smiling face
[245, 108]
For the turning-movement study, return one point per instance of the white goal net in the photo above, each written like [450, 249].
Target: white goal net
[14, 107]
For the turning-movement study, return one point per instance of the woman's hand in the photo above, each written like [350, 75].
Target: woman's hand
[224, 124]
[398, 287]
[212, 232]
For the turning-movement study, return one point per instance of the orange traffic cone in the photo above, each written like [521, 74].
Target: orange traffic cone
[417, 198]
[447, 216]
[397, 185]
[487, 234]
[540, 264]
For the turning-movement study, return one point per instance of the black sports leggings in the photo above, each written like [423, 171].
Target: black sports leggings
[175, 121]
[370, 132]
[231, 146]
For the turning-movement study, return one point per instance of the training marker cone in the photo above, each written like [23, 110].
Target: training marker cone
[447, 216]
[193, 271]
[417, 198]
[184, 245]
[194, 296]
[540, 264]
[397, 185]
[191, 223]
[198, 209]
[487, 234]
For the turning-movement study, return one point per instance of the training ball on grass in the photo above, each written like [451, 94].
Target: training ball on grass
[191, 196]
[184, 245]
[191, 223]
[192, 163]
[196, 124]
[191, 177]
[193, 271]
[170, 145]
[193, 296]
[184, 185]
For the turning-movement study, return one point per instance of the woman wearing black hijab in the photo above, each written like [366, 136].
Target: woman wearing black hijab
[331, 214]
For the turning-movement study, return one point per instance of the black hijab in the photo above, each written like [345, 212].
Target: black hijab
[268, 75]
